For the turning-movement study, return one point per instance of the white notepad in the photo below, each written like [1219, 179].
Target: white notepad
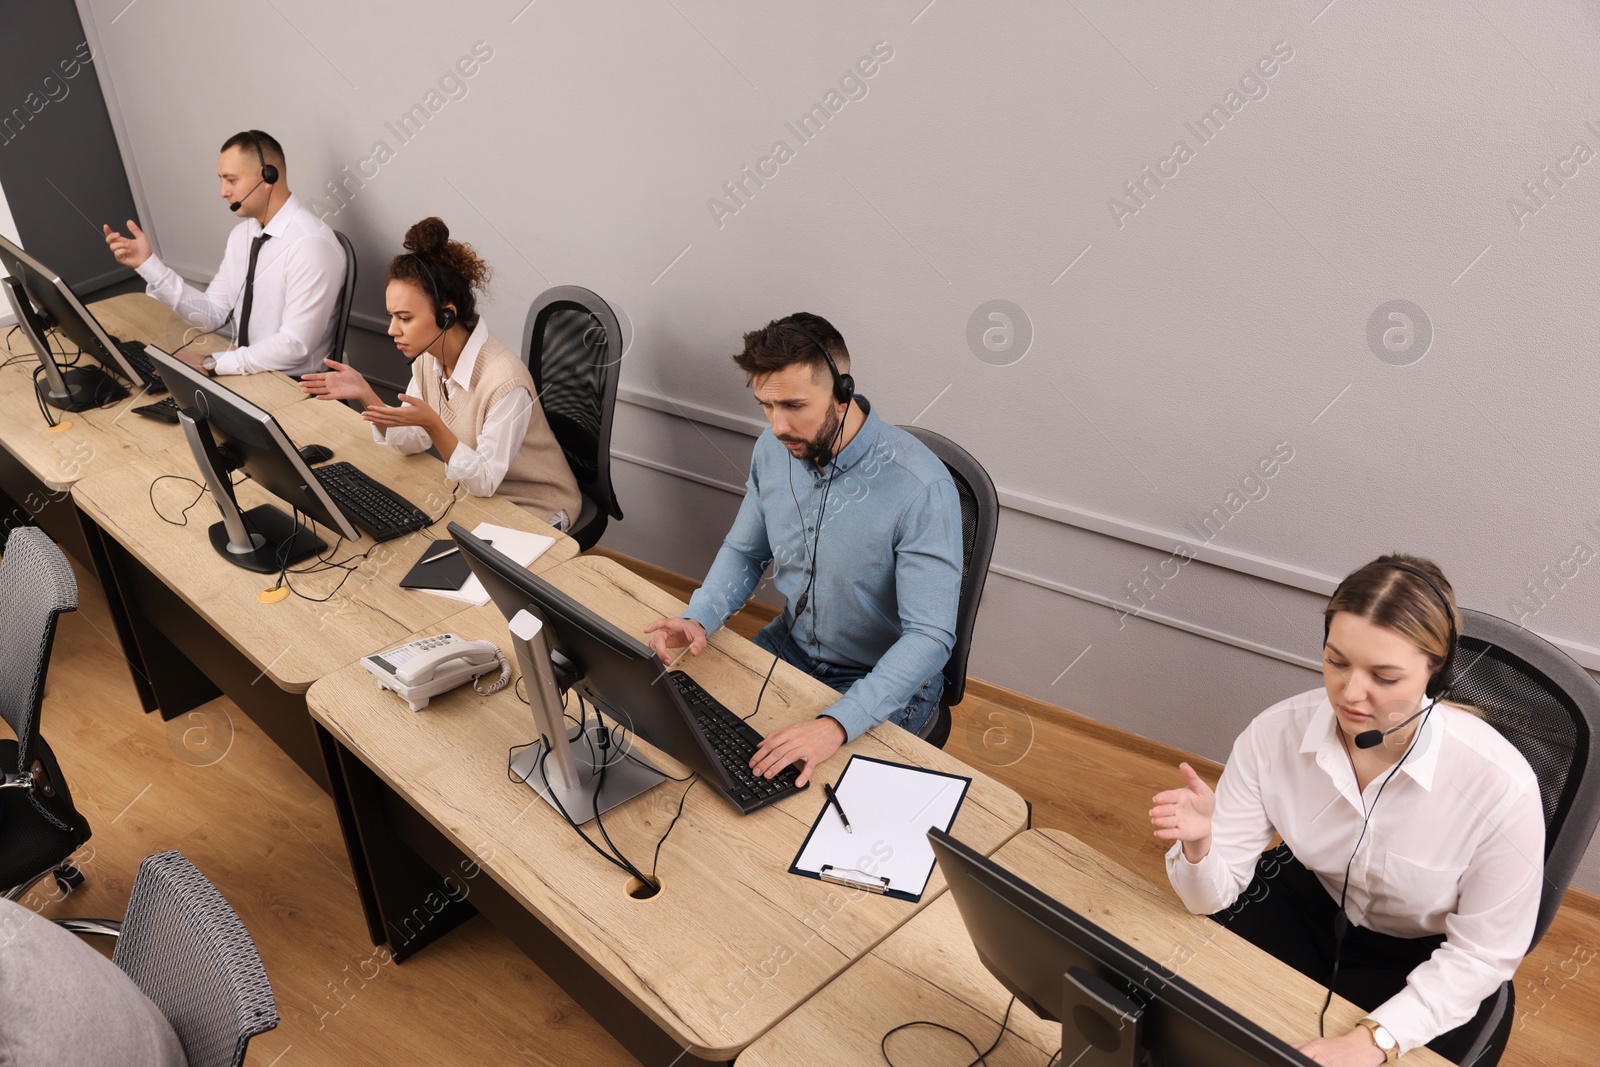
[520, 545]
[891, 806]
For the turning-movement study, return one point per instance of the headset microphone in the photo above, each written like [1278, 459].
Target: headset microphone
[1374, 738]
[237, 204]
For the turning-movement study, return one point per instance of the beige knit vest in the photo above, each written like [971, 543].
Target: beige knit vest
[538, 478]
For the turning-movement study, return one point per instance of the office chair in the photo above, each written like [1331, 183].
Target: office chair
[184, 947]
[39, 827]
[980, 520]
[347, 296]
[1549, 708]
[573, 345]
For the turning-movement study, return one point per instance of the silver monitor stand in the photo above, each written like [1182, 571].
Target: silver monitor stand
[568, 773]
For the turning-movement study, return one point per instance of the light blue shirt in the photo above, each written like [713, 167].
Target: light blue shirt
[888, 580]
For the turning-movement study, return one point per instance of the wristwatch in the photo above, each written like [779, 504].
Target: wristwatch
[1383, 1039]
[209, 363]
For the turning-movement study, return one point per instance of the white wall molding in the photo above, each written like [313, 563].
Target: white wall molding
[1107, 525]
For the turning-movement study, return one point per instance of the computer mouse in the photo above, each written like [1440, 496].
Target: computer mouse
[314, 454]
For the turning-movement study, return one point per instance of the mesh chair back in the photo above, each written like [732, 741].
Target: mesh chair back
[185, 948]
[1548, 707]
[347, 297]
[573, 344]
[36, 586]
[980, 520]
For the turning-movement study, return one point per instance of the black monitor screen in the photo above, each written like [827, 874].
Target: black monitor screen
[611, 668]
[253, 440]
[1029, 941]
[62, 308]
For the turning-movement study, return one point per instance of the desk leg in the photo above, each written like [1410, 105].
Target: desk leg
[407, 905]
[401, 860]
[167, 679]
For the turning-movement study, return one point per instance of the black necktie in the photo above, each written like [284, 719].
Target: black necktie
[249, 289]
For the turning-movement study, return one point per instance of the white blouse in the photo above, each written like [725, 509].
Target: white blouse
[1455, 847]
[480, 470]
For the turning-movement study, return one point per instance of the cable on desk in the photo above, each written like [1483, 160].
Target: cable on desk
[455, 494]
[656, 859]
[184, 514]
[883, 1046]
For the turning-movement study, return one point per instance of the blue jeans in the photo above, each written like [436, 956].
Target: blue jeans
[914, 717]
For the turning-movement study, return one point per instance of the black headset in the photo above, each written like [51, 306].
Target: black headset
[844, 386]
[269, 173]
[444, 317]
[1442, 679]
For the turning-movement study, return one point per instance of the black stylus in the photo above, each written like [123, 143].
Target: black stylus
[833, 798]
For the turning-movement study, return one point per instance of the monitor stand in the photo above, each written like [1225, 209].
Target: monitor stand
[66, 388]
[263, 539]
[559, 767]
[1107, 1025]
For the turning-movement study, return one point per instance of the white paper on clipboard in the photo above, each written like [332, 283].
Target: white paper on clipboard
[891, 806]
[522, 546]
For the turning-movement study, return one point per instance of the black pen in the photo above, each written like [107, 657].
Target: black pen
[833, 798]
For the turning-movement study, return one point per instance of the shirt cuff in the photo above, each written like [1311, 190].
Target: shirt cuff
[1194, 882]
[152, 270]
[707, 619]
[228, 363]
[851, 715]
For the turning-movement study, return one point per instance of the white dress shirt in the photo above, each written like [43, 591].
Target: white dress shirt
[1455, 847]
[481, 469]
[299, 273]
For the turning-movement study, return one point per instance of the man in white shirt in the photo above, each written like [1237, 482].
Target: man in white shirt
[281, 273]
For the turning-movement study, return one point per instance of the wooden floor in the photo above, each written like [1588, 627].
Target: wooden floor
[210, 785]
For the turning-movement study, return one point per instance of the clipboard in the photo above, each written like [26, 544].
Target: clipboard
[891, 806]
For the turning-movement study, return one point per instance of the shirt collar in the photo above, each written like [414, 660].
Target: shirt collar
[280, 222]
[1322, 739]
[861, 444]
[469, 357]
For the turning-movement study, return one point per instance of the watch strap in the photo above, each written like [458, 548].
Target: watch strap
[1383, 1039]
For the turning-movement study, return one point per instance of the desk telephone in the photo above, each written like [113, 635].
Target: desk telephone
[430, 666]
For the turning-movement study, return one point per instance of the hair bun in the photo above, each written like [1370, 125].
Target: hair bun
[427, 237]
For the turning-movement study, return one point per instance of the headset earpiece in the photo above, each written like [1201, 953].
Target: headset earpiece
[444, 316]
[269, 173]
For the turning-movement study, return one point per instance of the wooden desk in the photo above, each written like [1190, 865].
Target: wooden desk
[732, 943]
[39, 465]
[196, 623]
[928, 969]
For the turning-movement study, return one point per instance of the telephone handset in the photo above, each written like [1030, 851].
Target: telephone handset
[427, 667]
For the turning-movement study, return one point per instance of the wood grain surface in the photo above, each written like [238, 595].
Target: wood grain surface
[733, 942]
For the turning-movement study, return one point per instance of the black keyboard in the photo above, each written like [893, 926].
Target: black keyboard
[379, 511]
[134, 353]
[734, 741]
[163, 410]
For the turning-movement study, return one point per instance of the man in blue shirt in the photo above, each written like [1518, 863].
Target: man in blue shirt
[862, 526]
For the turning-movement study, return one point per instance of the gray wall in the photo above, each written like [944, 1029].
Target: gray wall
[1167, 329]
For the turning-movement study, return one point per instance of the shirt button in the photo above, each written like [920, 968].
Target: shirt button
[810, 529]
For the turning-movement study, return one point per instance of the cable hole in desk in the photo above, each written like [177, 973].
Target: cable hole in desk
[643, 890]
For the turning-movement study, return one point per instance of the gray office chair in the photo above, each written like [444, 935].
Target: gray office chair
[39, 827]
[573, 345]
[185, 948]
[347, 296]
[980, 521]
[1549, 708]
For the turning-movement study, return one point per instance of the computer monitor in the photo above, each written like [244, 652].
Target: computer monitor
[42, 302]
[226, 432]
[1117, 1006]
[609, 667]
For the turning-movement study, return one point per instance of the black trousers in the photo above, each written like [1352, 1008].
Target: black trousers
[1287, 912]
